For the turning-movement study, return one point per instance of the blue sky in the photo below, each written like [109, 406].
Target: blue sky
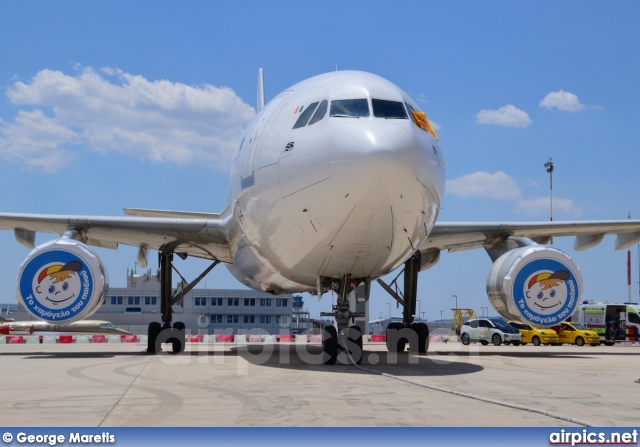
[106, 105]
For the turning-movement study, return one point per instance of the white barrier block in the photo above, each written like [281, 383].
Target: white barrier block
[32, 339]
[50, 339]
[270, 339]
[82, 339]
[114, 339]
[240, 338]
[3, 340]
[143, 339]
[301, 338]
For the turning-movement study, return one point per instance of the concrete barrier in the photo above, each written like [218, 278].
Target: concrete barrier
[82, 339]
[301, 339]
[241, 338]
[270, 339]
[49, 340]
[32, 339]
[115, 339]
[255, 338]
[3, 340]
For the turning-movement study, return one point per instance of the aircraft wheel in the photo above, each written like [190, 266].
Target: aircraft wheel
[579, 341]
[422, 330]
[536, 341]
[152, 335]
[395, 342]
[329, 345]
[354, 346]
[496, 340]
[177, 345]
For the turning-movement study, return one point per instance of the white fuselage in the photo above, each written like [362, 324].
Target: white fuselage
[344, 195]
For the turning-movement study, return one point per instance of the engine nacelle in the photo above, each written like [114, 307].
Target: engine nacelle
[537, 284]
[61, 281]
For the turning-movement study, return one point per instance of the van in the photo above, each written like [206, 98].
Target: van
[614, 322]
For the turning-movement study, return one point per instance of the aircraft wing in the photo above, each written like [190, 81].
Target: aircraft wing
[197, 234]
[456, 236]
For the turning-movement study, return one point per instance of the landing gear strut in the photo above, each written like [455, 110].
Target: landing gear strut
[345, 341]
[407, 332]
[164, 333]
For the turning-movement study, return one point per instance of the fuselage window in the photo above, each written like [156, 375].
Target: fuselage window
[320, 113]
[304, 117]
[388, 109]
[349, 108]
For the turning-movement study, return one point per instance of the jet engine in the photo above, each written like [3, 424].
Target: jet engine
[536, 284]
[61, 281]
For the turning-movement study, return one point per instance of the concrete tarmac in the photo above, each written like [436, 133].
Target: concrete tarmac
[284, 385]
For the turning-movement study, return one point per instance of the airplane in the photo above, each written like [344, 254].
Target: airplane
[82, 327]
[336, 182]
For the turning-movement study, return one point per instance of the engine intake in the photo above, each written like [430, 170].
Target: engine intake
[537, 284]
[61, 281]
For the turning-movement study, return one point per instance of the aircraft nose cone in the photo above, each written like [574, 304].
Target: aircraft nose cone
[370, 165]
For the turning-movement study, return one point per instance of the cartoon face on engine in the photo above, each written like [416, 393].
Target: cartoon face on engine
[58, 285]
[546, 292]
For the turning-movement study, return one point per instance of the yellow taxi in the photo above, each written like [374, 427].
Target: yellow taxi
[575, 333]
[535, 336]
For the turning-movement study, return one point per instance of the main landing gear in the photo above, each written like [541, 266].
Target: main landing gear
[416, 335]
[343, 344]
[166, 332]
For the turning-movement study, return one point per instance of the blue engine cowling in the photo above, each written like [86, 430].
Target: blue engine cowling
[537, 284]
[61, 281]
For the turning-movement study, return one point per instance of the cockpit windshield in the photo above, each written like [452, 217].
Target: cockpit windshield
[383, 108]
[356, 108]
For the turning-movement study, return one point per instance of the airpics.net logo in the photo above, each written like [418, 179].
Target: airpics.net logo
[56, 285]
[587, 437]
[546, 291]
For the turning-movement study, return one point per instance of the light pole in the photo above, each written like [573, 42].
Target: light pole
[456, 297]
[422, 316]
[549, 166]
[389, 304]
[440, 315]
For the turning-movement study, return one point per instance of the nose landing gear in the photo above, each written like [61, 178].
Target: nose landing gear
[343, 344]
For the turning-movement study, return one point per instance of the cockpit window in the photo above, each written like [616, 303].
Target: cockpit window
[304, 117]
[320, 113]
[349, 108]
[383, 108]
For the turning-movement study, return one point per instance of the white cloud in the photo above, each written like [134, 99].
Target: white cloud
[562, 101]
[113, 111]
[484, 184]
[540, 205]
[508, 115]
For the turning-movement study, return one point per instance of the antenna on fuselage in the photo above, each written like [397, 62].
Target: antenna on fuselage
[260, 104]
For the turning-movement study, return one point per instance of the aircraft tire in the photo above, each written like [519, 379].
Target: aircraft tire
[422, 330]
[177, 345]
[152, 335]
[395, 342]
[329, 345]
[354, 337]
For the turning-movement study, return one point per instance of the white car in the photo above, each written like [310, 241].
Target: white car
[489, 330]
